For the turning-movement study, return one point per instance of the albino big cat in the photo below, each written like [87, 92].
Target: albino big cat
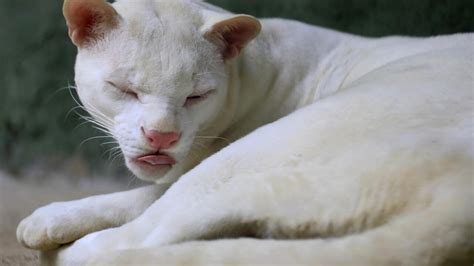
[268, 141]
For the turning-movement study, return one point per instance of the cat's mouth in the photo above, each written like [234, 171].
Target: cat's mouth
[156, 160]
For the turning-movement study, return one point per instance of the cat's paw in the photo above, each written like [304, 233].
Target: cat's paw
[53, 225]
[99, 244]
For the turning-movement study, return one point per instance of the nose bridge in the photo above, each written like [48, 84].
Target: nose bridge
[160, 117]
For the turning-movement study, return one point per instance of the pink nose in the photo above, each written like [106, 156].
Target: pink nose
[159, 140]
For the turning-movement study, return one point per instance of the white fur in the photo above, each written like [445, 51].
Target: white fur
[362, 146]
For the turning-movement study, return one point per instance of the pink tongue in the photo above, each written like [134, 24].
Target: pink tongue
[157, 160]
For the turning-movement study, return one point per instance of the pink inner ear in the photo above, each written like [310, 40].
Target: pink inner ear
[80, 29]
[234, 34]
[236, 40]
[86, 18]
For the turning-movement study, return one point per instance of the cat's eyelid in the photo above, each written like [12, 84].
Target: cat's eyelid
[118, 86]
[197, 97]
[202, 93]
[113, 84]
[124, 89]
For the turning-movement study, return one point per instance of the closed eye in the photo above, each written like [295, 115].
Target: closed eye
[194, 99]
[123, 89]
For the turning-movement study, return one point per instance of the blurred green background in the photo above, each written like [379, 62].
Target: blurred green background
[37, 61]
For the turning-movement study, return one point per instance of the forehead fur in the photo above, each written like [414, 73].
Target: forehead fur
[160, 35]
[165, 22]
[148, 17]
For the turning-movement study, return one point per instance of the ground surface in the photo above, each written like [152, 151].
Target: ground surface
[19, 198]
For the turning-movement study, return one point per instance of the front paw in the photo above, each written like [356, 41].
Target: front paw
[77, 253]
[53, 225]
[95, 245]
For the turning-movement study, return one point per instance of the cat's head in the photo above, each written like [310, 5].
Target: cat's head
[155, 73]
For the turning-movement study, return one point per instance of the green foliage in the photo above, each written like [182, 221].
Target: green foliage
[367, 17]
[36, 62]
[37, 65]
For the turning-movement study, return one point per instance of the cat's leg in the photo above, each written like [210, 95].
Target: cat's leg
[436, 235]
[64, 222]
[325, 189]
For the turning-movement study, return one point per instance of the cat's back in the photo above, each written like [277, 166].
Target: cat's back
[377, 53]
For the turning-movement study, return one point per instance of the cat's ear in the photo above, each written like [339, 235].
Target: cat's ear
[87, 20]
[231, 35]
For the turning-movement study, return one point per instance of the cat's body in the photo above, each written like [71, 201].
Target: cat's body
[369, 161]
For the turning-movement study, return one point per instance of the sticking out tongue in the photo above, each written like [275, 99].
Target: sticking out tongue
[157, 160]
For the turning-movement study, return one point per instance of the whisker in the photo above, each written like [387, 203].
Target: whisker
[103, 130]
[74, 110]
[110, 152]
[99, 114]
[133, 179]
[114, 155]
[212, 137]
[110, 143]
[201, 145]
[90, 139]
